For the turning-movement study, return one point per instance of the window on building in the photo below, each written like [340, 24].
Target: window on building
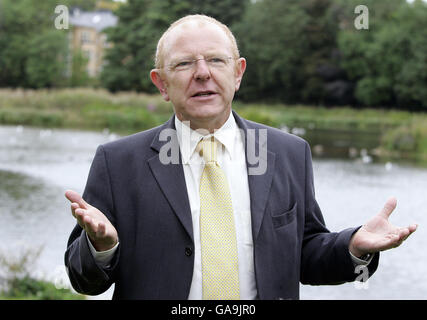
[85, 37]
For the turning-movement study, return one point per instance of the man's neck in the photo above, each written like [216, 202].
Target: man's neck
[209, 126]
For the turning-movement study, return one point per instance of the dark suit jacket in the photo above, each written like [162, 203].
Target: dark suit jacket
[148, 204]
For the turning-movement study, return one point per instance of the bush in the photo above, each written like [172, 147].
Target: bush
[17, 283]
[409, 141]
[28, 288]
[260, 116]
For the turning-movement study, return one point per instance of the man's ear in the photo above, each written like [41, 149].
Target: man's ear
[240, 70]
[158, 81]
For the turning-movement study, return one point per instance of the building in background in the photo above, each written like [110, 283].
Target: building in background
[88, 36]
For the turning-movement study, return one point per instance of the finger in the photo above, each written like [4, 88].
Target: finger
[396, 239]
[403, 232]
[413, 227]
[79, 214]
[90, 226]
[408, 231]
[75, 197]
[388, 208]
[101, 232]
[74, 206]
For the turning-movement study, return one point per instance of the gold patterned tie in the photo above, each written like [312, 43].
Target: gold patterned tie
[220, 269]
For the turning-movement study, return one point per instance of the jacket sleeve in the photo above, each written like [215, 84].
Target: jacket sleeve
[325, 257]
[85, 275]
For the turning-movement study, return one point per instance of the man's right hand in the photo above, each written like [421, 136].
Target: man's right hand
[101, 232]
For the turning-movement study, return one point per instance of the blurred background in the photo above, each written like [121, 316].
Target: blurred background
[353, 84]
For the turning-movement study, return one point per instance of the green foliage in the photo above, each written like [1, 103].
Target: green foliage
[44, 119]
[298, 51]
[408, 141]
[388, 63]
[309, 51]
[28, 288]
[260, 29]
[86, 5]
[261, 116]
[123, 113]
[79, 76]
[286, 43]
[16, 283]
[119, 118]
[32, 52]
[226, 11]
[46, 58]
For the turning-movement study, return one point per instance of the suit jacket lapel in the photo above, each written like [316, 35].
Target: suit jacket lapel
[171, 179]
[259, 185]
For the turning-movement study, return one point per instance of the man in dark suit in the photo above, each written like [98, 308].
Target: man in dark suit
[142, 218]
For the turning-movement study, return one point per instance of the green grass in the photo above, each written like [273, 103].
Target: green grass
[88, 109]
[408, 141]
[341, 118]
[27, 288]
[403, 134]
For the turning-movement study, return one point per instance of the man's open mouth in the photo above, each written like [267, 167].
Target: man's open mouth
[204, 94]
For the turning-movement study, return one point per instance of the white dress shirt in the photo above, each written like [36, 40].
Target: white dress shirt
[231, 158]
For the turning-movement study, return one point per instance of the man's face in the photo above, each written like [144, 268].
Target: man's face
[201, 91]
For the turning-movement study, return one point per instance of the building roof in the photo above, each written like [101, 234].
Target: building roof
[98, 20]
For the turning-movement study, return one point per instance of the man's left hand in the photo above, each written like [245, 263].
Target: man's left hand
[378, 234]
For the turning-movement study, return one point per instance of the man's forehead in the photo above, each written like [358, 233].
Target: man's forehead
[196, 24]
[184, 29]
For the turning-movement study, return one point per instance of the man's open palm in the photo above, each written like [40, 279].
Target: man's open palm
[101, 232]
[378, 234]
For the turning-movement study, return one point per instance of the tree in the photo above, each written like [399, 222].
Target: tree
[285, 42]
[18, 21]
[46, 59]
[227, 11]
[32, 52]
[79, 76]
[389, 63]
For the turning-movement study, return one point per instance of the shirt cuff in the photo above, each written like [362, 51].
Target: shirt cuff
[102, 258]
[358, 262]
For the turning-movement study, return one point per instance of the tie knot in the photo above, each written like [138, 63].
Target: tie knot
[208, 149]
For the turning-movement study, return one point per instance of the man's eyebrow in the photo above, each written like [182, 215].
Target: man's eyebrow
[186, 57]
[180, 58]
[193, 57]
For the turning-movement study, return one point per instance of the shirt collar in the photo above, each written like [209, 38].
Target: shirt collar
[189, 138]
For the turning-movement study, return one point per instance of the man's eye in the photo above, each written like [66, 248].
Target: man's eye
[216, 60]
[183, 64]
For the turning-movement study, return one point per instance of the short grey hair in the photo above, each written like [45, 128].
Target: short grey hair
[159, 58]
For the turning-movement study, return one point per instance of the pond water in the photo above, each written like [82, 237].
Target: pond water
[38, 165]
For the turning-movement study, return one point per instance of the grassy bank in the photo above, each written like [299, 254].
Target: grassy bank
[82, 109]
[403, 134]
[28, 288]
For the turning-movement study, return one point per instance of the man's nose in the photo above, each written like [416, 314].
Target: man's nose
[202, 71]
